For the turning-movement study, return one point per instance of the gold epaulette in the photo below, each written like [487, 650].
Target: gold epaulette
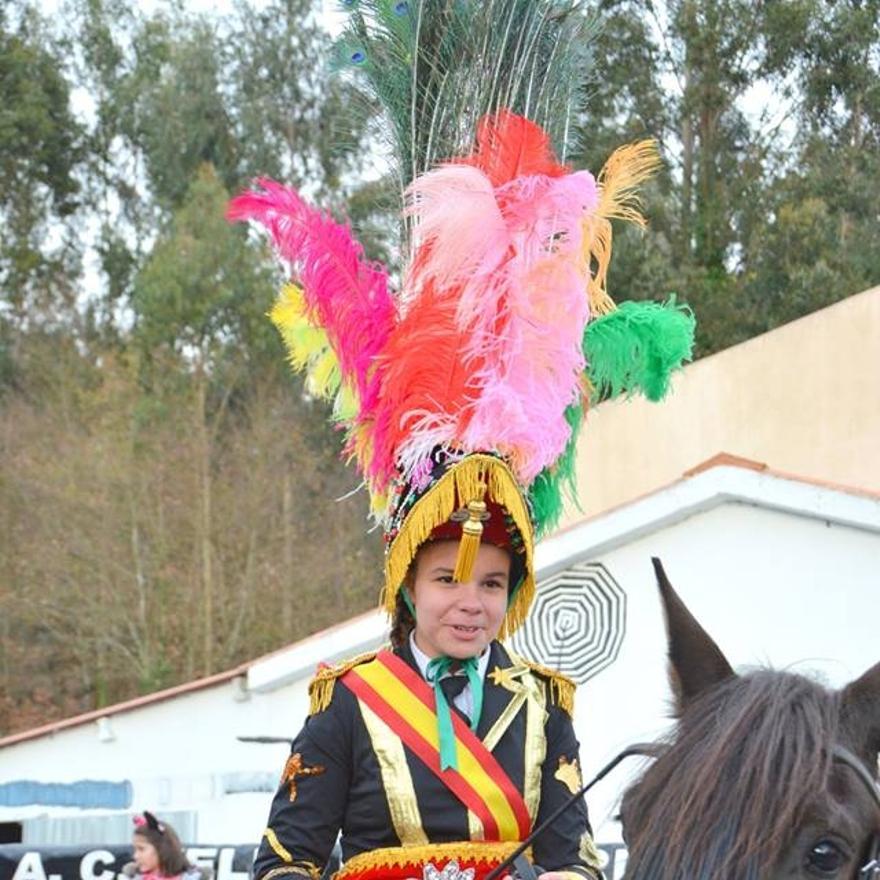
[321, 686]
[562, 688]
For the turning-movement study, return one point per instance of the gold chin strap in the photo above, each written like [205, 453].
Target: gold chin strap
[473, 516]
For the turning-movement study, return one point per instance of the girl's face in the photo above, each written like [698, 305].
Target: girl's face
[145, 856]
[459, 619]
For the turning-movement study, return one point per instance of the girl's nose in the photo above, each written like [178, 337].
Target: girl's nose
[469, 596]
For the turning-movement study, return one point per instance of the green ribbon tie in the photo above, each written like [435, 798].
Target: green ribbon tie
[437, 668]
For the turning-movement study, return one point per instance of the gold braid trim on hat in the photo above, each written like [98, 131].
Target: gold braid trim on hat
[321, 686]
[465, 480]
[562, 688]
[469, 851]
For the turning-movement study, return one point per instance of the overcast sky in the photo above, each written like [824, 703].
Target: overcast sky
[332, 13]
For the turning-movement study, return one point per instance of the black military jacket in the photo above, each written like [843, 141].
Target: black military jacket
[349, 772]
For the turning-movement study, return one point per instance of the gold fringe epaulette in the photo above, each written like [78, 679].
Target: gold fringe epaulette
[562, 688]
[321, 686]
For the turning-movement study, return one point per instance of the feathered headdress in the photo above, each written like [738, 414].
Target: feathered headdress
[461, 394]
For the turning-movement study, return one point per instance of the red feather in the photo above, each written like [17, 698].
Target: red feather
[511, 146]
[426, 384]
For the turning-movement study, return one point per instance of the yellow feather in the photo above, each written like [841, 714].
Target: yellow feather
[309, 350]
[627, 167]
[345, 407]
[323, 375]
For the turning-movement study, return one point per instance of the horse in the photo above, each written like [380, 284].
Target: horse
[764, 777]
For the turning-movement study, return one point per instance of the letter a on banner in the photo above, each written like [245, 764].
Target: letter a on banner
[30, 867]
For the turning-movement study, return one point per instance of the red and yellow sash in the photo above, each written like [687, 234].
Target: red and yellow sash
[405, 702]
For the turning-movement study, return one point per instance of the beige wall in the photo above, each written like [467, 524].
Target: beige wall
[804, 398]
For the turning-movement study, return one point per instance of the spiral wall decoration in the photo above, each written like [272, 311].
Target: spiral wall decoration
[577, 622]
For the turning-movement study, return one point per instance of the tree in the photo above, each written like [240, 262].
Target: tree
[820, 238]
[41, 148]
[747, 192]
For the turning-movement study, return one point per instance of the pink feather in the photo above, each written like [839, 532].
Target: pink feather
[509, 255]
[532, 367]
[460, 231]
[348, 294]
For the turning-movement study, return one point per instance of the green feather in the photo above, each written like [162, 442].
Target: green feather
[551, 488]
[637, 347]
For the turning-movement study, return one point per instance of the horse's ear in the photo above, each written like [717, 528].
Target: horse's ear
[860, 711]
[695, 661]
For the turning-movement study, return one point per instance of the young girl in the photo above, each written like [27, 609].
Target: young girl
[355, 766]
[158, 854]
[461, 396]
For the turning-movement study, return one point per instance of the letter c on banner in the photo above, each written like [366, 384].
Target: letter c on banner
[92, 863]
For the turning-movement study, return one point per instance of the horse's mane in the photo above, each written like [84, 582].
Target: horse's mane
[742, 767]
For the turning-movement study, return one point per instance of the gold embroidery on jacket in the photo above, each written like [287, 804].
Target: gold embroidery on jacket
[417, 856]
[569, 773]
[321, 686]
[536, 742]
[277, 846]
[396, 779]
[304, 869]
[561, 687]
[527, 690]
[294, 767]
[589, 852]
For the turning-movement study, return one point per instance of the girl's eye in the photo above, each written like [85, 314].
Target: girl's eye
[494, 585]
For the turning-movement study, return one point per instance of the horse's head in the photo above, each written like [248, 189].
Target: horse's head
[753, 784]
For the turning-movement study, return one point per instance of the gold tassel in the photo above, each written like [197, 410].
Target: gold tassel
[471, 535]
[321, 686]
[320, 694]
[562, 688]
[562, 693]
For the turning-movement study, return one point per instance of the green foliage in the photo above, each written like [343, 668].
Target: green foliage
[40, 148]
[756, 218]
[177, 114]
[291, 121]
[203, 286]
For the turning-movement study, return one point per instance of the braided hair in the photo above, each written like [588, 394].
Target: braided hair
[402, 621]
